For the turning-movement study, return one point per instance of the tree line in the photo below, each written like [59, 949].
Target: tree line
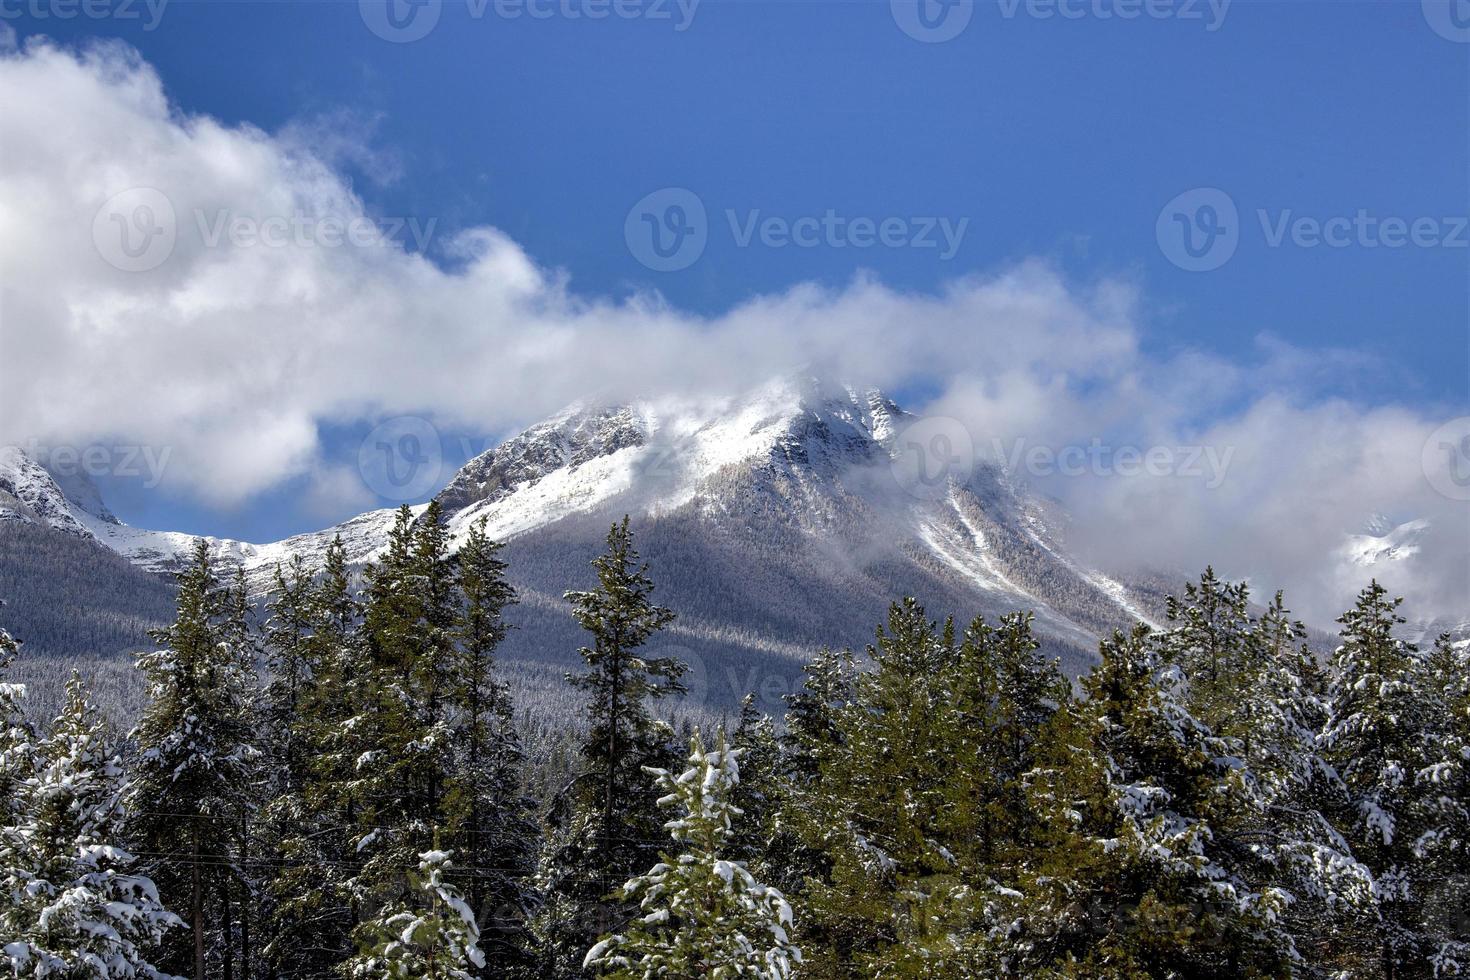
[338, 791]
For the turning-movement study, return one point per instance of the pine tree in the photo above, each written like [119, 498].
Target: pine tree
[606, 820]
[403, 737]
[1384, 729]
[196, 768]
[17, 734]
[429, 933]
[71, 908]
[490, 818]
[1254, 684]
[1137, 796]
[702, 914]
[759, 794]
[1443, 844]
[916, 797]
[310, 905]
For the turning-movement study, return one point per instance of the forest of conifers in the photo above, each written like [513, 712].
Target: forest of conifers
[337, 788]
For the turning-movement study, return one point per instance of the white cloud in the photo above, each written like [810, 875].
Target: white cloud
[233, 355]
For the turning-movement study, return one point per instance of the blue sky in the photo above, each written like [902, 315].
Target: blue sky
[1054, 138]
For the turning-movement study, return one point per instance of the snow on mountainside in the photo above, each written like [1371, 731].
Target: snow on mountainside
[777, 521]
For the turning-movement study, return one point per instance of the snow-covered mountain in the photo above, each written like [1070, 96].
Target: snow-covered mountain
[776, 522]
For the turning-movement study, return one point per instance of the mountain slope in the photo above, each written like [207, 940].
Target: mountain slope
[776, 522]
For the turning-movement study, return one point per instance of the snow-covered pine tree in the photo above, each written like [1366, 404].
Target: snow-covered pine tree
[1387, 728]
[759, 794]
[911, 808]
[196, 769]
[1254, 684]
[400, 730]
[309, 903]
[428, 933]
[70, 907]
[1444, 844]
[1135, 794]
[701, 914]
[605, 823]
[490, 820]
[17, 734]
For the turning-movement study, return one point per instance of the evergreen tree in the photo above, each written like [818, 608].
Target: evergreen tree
[490, 819]
[605, 821]
[1387, 735]
[916, 798]
[196, 767]
[758, 795]
[403, 738]
[1138, 798]
[702, 914]
[310, 822]
[1253, 683]
[429, 933]
[70, 907]
[17, 735]
[1443, 845]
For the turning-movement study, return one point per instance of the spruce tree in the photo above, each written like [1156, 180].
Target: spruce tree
[759, 794]
[1137, 798]
[701, 914]
[1387, 734]
[71, 906]
[310, 822]
[17, 734]
[196, 770]
[605, 822]
[402, 738]
[489, 816]
[428, 933]
[915, 799]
